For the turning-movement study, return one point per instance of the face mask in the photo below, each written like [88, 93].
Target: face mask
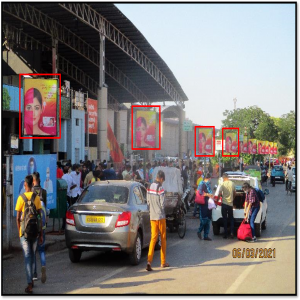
[48, 175]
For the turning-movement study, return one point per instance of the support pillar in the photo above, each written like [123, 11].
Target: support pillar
[102, 103]
[182, 138]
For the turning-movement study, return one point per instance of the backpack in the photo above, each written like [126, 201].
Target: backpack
[30, 220]
[260, 194]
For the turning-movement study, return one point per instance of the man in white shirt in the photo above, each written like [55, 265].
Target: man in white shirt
[289, 176]
[76, 176]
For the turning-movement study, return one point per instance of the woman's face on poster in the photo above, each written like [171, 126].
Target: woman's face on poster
[202, 139]
[36, 109]
[142, 129]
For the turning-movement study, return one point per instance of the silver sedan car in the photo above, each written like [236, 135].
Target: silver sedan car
[109, 216]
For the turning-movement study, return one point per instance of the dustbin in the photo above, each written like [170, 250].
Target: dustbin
[61, 200]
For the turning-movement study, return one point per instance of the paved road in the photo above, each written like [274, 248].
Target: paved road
[197, 266]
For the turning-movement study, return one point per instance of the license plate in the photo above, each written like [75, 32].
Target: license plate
[277, 177]
[94, 219]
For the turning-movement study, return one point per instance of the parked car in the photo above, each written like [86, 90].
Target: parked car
[109, 216]
[277, 173]
[294, 179]
[238, 204]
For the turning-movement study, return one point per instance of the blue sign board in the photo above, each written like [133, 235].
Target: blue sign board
[45, 164]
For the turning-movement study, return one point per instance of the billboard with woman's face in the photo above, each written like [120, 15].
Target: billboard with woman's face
[244, 148]
[267, 149]
[275, 148]
[205, 140]
[252, 146]
[231, 142]
[40, 107]
[145, 128]
[271, 146]
[261, 147]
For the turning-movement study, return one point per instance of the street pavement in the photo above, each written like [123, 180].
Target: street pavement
[197, 266]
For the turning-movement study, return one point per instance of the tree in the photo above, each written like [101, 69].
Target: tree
[6, 99]
[287, 133]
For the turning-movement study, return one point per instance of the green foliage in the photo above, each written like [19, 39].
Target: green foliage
[287, 133]
[6, 99]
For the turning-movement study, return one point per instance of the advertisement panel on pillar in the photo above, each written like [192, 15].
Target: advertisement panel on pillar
[93, 116]
[271, 146]
[275, 148]
[267, 148]
[231, 145]
[145, 127]
[260, 147]
[205, 140]
[40, 111]
[45, 164]
[252, 146]
[245, 145]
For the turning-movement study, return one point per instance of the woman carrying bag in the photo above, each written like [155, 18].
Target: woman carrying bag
[204, 191]
[251, 209]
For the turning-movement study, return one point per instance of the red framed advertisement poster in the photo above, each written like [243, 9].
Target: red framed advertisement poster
[40, 114]
[204, 141]
[146, 127]
[232, 145]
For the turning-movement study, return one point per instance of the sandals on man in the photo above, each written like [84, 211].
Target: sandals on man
[148, 268]
[166, 265]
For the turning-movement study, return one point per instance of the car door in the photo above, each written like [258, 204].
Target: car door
[146, 218]
[142, 213]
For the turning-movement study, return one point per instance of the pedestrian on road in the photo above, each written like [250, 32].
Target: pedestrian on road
[204, 212]
[196, 186]
[251, 209]
[288, 176]
[76, 191]
[59, 171]
[40, 247]
[155, 201]
[127, 175]
[28, 244]
[227, 191]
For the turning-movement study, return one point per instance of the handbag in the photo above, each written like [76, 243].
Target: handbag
[199, 199]
[244, 232]
[211, 204]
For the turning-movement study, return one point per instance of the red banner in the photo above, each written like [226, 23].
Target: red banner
[112, 144]
[93, 116]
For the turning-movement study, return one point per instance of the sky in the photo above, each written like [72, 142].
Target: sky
[219, 52]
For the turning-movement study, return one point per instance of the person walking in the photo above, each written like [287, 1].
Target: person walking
[76, 191]
[40, 248]
[204, 212]
[196, 186]
[155, 201]
[59, 171]
[29, 241]
[288, 176]
[251, 209]
[227, 191]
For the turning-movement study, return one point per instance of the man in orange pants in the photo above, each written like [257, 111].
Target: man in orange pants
[155, 201]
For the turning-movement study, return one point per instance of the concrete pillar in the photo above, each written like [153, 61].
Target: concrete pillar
[54, 142]
[182, 136]
[102, 124]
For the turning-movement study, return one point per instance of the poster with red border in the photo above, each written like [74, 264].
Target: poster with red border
[231, 137]
[204, 141]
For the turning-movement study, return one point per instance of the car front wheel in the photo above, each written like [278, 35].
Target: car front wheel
[135, 255]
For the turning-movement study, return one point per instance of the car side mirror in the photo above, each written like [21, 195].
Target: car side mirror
[266, 192]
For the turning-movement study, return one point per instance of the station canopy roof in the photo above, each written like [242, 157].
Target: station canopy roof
[146, 84]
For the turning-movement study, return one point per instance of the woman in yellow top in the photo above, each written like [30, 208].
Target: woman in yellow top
[28, 246]
[96, 175]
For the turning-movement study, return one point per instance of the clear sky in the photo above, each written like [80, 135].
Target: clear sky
[223, 51]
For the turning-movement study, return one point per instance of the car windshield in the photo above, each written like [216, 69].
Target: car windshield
[278, 168]
[104, 194]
